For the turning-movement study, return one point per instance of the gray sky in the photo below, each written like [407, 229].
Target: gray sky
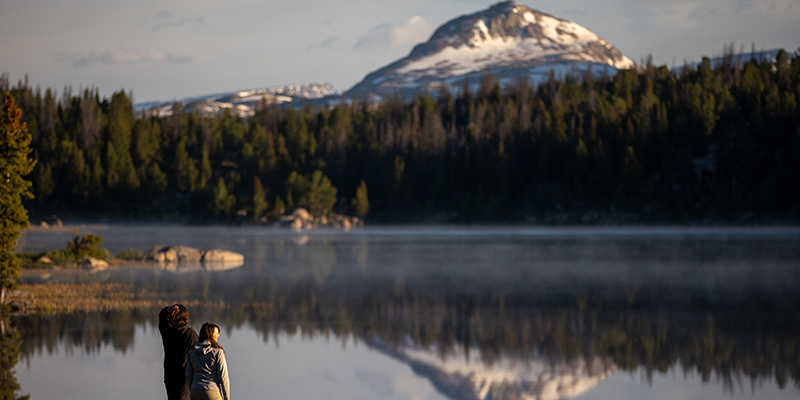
[165, 50]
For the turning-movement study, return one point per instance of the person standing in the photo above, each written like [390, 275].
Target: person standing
[206, 368]
[177, 337]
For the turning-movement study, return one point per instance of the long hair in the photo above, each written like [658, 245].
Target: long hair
[178, 315]
[205, 334]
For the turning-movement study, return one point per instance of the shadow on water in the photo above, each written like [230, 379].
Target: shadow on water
[498, 315]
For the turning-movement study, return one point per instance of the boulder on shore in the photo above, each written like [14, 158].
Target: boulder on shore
[51, 221]
[222, 257]
[181, 259]
[174, 254]
[44, 260]
[300, 219]
[93, 264]
[302, 214]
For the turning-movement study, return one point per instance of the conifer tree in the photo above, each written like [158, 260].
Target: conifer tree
[361, 201]
[260, 203]
[279, 209]
[14, 166]
[120, 170]
[321, 194]
[223, 201]
[205, 174]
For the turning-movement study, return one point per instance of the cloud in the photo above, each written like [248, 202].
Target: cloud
[766, 6]
[328, 43]
[379, 36]
[164, 13]
[701, 13]
[80, 60]
[411, 32]
[742, 5]
[165, 19]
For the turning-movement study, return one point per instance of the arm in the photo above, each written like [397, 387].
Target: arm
[162, 319]
[189, 369]
[223, 375]
[189, 340]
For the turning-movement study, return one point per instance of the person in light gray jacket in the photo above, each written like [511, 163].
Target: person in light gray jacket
[206, 368]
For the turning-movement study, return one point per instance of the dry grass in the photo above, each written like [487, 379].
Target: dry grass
[60, 298]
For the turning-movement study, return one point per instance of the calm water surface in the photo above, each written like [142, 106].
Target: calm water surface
[437, 313]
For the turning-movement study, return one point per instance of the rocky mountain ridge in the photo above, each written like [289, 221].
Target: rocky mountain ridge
[243, 102]
[508, 40]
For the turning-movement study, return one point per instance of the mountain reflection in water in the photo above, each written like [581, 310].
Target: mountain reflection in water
[490, 314]
[460, 378]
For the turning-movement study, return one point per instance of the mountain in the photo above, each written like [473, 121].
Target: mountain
[508, 40]
[242, 102]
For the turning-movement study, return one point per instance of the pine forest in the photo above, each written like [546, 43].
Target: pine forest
[715, 142]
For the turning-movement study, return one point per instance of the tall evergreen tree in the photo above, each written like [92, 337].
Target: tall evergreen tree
[260, 203]
[14, 166]
[320, 196]
[223, 201]
[361, 201]
[120, 170]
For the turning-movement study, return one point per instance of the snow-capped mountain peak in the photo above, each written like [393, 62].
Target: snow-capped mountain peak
[508, 40]
[243, 102]
[511, 23]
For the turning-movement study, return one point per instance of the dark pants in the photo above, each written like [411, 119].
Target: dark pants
[177, 392]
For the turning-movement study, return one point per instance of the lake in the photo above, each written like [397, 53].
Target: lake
[445, 313]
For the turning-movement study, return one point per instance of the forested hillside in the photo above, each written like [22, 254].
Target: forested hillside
[709, 145]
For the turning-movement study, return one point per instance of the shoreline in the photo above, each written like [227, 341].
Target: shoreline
[45, 299]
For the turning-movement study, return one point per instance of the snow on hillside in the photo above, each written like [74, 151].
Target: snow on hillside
[243, 102]
[485, 50]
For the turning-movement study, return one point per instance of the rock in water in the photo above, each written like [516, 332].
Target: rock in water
[93, 264]
[175, 254]
[222, 257]
[182, 259]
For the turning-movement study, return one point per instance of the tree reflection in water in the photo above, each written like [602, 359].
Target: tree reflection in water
[10, 340]
[567, 308]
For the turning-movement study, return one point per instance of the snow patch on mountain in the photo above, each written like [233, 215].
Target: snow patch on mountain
[242, 102]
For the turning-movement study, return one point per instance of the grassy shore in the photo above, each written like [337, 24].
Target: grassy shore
[65, 298]
[56, 281]
[71, 297]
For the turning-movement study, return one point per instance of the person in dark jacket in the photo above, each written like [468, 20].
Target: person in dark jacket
[177, 337]
[206, 368]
